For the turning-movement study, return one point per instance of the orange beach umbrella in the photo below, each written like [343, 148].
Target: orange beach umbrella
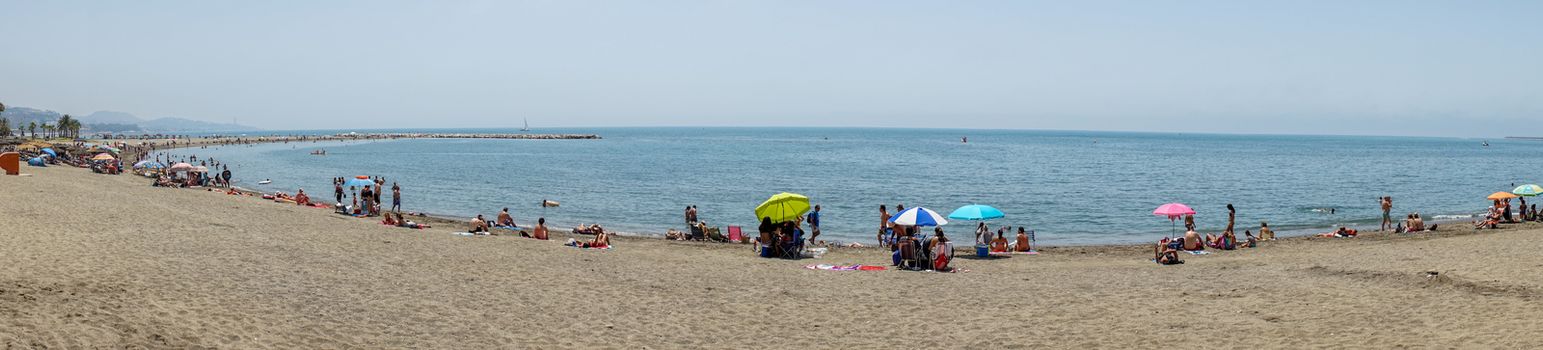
[1500, 196]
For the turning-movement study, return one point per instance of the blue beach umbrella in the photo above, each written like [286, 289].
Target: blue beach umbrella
[976, 212]
[147, 164]
[51, 152]
[1527, 190]
[358, 182]
[36, 161]
[918, 216]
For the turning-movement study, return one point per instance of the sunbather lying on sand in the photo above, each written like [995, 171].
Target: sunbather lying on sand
[602, 240]
[1342, 232]
[589, 230]
[402, 222]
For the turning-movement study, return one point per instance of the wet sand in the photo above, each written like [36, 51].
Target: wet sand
[90, 260]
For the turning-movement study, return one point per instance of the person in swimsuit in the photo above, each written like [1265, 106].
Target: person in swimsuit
[505, 220]
[982, 234]
[884, 226]
[1165, 254]
[999, 245]
[396, 198]
[478, 225]
[1189, 222]
[1265, 233]
[1022, 243]
[541, 232]
[1192, 241]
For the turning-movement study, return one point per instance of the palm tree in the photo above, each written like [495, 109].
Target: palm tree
[48, 130]
[5, 127]
[32, 128]
[69, 127]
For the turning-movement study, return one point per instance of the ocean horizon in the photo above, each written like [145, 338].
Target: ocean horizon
[1070, 187]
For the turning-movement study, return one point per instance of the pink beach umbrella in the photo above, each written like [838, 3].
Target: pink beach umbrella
[1173, 211]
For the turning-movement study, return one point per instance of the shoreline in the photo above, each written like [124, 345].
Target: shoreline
[659, 233]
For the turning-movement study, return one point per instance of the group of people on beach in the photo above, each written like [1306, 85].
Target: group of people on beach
[1167, 250]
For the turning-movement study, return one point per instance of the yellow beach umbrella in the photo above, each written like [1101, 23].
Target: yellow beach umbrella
[103, 156]
[1500, 196]
[783, 207]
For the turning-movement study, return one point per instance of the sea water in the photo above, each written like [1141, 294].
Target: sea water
[1070, 187]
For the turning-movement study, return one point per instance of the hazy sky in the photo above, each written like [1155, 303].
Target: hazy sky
[1451, 68]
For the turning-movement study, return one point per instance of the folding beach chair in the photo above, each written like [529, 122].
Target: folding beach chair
[735, 235]
[794, 248]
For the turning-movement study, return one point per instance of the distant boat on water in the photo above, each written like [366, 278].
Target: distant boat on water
[527, 125]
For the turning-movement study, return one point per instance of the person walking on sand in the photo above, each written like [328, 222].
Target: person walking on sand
[337, 190]
[814, 224]
[1387, 212]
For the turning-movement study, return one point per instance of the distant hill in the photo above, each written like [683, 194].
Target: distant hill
[110, 117]
[120, 122]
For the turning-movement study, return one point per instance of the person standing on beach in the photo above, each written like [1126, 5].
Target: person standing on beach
[396, 198]
[337, 190]
[814, 223]
[883, 223]
[1387, 212]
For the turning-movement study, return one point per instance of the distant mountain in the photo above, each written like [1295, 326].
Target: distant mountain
[110, 117]
[170, 124]
[20, 116]
[110, 121]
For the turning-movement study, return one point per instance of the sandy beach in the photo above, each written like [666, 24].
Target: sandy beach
[94, 261]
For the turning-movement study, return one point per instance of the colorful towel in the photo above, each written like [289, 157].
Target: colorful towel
[828, 267]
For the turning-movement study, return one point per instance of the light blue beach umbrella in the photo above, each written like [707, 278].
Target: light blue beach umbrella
[976, 212]
[148, 164]
[1527, 190]
[358, 182]
[919, 217]
[51, 152]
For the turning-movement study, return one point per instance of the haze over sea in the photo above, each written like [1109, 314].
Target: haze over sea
[1072, 187]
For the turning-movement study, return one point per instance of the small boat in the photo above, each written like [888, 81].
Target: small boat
[527, 125]
[265, 182]
[549, 203]
[1486, 143]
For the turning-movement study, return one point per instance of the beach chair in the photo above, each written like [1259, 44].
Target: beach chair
[713, 233]
[696, 233]
[793, 249]
[735, 235]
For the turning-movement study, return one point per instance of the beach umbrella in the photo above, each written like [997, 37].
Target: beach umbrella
[1500, 196]
[180, 167]
[783, 207]
[918, 216]
[360, 181]
[50, 152]
[976, 212]
[1527, 190]
[36, 161]
[1173, 211]
[103, 156]
[200, 169]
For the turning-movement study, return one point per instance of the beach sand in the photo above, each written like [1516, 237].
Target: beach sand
[90, 260]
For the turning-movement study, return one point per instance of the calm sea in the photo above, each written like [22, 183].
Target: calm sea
[1072, 187]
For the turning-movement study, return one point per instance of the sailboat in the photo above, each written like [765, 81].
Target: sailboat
[527, 125]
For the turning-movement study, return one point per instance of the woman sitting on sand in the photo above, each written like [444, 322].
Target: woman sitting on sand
[999, 244]
[1022, 244]
[1225, 241]
[301, 198]
[1165, 254]
[1265, 233]
[389, 221]
[541, 233]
